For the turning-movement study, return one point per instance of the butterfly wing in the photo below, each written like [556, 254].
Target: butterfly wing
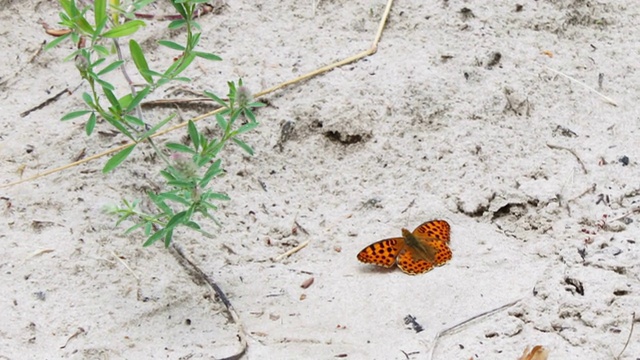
[436, 235]
[436, 229]
[412, 265]
[383, 252]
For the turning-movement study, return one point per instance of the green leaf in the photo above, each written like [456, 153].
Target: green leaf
[91, 124]
[153, 238]
[104, 84]
[147, 228]
[209, 205]
[125, 29]
[84, 25]
[75, 114]
[69, 6]
[246, 127]
[95, 63]
[194, 40]
[114, 65]
[171, 45]
[167, 238]
[139, 60]
[213, 171]
[118, 125]
[88, 100]
[215, 98]
[180, 148]
[249, 114]
[117, 159]
[102, 50]
[160, 203]
[134, 120]
[113, 100]
[134, 227]
[156, 127]
[100, 11]
[186, 61]
[256, 104]
[57, 41]
[176, 24]
[167, 175]
[244, 146]
[207, 56]
[176, 220]
[175, 198]
[222, 122]
[138, 99]
[180, 184]
[193, 134]
[216, 196]
[192, 225]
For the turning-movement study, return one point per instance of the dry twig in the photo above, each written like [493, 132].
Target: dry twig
[633, 320]
[457, 326]
[195, 271]
[557, 147]
[292, 251]
[372, 50]
[608, 99]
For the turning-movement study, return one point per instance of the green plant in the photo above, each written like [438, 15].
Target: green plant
[190, 169]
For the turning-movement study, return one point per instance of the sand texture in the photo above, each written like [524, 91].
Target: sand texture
[462, 114]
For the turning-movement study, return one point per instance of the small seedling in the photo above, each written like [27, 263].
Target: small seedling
[96, 29]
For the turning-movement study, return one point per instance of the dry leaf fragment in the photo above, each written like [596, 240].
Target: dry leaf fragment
[307, 283]
[537, 353]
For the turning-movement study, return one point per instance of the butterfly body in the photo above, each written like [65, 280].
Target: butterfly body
[415, 252]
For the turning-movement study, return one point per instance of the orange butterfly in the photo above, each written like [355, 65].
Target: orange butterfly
[415, 253]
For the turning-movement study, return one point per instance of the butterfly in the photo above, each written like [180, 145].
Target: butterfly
[414, 253]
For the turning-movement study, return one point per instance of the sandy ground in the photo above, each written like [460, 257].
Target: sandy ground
[458, 116]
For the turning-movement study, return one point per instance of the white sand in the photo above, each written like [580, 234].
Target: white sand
[435, 132]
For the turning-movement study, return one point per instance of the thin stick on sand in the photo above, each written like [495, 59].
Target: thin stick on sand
[605, 97]
[633, 319]
[457, 326]
[292, 251]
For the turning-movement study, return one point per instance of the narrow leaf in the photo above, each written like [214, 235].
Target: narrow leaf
[125, 29]
[156, 127]
[139, 97]
[180, 148]
[193, 134]
[176, 219]
[171, 45]
[112, 99]
[167, 238]
[57, 41]
[215, 98]
[117, 159]
[221, 122]
[175, 198]
[134, 120]
[153, 238]
[216, 196]
[114, 65]
[139, 60]
[176, 24]
[244, 146]
[192, 225]
[207, 56]
[246, 127]
[91, 123]
[100, 11]
[74, 114]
